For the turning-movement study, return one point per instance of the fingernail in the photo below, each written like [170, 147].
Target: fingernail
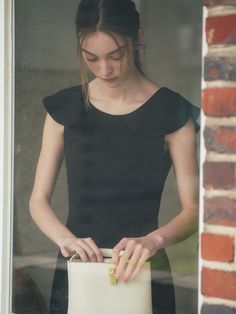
[117, 276]
[125, 279]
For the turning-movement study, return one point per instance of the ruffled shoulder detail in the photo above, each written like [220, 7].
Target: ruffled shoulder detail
[177, 111]
[65, 106]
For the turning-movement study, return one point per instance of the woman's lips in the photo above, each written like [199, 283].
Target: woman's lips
[110, 80]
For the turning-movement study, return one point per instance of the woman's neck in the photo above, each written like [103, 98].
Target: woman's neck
[122, 91]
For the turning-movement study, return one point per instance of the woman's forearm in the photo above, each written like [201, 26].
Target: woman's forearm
[177, 230]
[47, 221]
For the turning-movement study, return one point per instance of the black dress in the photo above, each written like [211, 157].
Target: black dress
[116, 169]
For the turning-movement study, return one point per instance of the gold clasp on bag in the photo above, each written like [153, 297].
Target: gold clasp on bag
[112, 277]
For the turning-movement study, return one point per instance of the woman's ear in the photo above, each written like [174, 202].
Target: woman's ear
[140, 36]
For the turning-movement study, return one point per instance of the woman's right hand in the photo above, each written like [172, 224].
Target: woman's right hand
[85, 247]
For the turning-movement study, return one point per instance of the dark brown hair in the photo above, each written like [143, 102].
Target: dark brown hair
[112, 17]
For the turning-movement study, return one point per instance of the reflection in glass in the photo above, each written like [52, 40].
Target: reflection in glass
[45, 63]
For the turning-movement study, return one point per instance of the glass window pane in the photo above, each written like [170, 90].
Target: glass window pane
[46, 62]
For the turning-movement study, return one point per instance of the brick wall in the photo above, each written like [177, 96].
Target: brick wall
[218, 225]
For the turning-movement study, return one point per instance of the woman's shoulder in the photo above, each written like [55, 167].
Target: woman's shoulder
[170, 110]
[67, 93]
[169, 94]
[64, 104]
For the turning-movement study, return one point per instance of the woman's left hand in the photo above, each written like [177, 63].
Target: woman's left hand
[136, 252]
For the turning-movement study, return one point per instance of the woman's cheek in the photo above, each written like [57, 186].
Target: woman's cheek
[92, 68]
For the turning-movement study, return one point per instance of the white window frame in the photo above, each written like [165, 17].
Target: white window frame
[6, 152]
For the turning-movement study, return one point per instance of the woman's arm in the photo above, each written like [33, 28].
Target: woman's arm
[49, 163]
[183, 152]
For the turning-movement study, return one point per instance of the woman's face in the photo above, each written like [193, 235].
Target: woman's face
[110, 63]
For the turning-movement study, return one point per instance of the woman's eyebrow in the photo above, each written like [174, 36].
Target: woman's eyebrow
[109, 53]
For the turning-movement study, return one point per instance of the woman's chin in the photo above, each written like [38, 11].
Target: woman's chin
[112, 82]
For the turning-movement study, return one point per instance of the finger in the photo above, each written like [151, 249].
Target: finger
[132, 263]
[89, 252]
[97, 251]
[65, 252]
[117, 249]
[122, 265]
[142, 260]
[78, 249]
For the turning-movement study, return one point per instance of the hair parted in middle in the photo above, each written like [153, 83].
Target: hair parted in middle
[114, 17]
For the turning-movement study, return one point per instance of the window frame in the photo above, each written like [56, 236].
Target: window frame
[6, 151]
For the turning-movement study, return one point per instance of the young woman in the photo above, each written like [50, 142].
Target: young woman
[120, 133]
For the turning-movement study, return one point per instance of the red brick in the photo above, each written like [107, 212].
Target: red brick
[221, 29]
[216, 247]
[219, 102]
[220, 210]
[218, 175]
[218, 284]
[218, 2]
[220, 139]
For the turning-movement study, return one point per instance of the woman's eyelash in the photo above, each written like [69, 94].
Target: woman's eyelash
[91, 60]
[118, 58]
[111, 57]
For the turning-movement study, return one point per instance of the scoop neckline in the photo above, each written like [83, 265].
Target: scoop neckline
[131, 113]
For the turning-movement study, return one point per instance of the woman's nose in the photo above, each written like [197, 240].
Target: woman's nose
[105, 69]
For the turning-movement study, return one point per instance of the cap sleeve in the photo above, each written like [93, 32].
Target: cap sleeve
[63, 106]
[179, 110]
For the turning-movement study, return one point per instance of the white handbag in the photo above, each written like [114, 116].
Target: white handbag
[93, 288]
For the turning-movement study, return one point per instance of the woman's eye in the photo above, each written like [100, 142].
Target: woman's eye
[116, 58]
[91, 60]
